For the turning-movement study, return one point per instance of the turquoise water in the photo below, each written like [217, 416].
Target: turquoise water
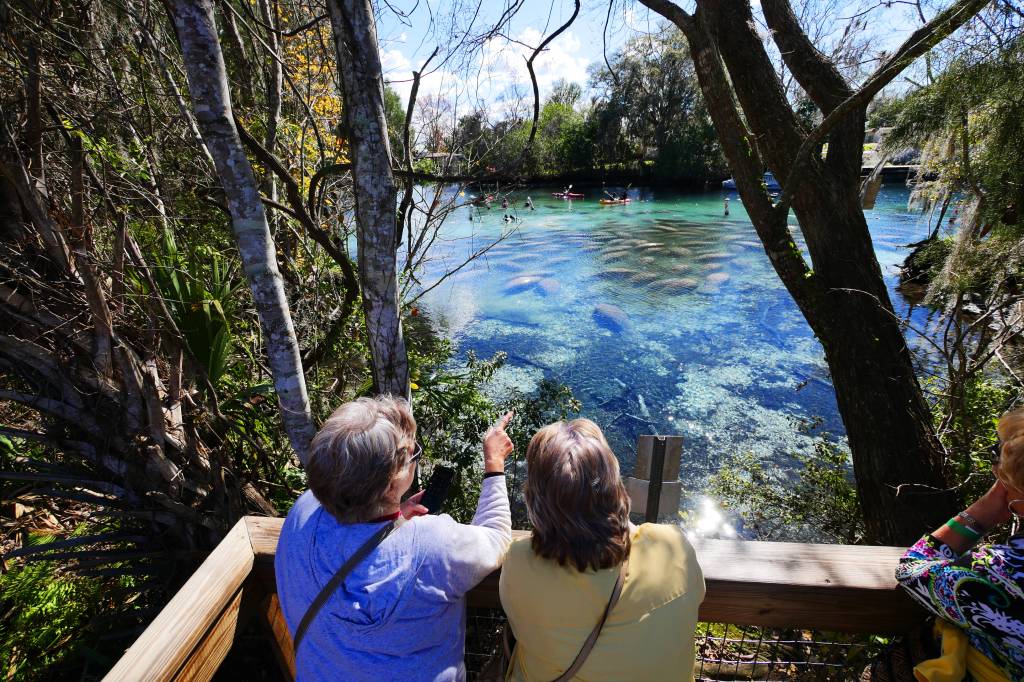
[663, 316]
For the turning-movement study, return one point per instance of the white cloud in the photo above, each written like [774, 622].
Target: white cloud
[498, 78]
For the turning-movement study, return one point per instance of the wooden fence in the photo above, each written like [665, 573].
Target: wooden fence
[836, 588]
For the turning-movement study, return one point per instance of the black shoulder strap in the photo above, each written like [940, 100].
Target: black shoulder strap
[335, 582]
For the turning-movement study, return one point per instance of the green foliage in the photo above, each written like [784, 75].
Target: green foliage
[970, 435]
[884, 112]
[453, 411]
[820, 503]
[395, 114]
[647, 108]
[45, 618]
[198, 286]
[976, 102]
[650, 101]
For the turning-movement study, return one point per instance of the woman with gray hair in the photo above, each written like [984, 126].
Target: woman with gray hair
[374, 588]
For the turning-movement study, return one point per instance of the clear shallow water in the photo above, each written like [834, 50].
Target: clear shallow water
[663, 316]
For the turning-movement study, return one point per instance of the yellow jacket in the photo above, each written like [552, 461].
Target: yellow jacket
[649, 633]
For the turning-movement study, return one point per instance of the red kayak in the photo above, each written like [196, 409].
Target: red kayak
[567, 195]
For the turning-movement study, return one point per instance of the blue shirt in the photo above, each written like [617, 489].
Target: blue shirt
[400, 614]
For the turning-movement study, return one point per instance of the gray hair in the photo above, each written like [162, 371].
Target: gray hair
[361, 447]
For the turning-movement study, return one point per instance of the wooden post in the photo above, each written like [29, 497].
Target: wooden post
[654, 487]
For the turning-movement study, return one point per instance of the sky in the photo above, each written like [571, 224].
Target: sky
[496, 78]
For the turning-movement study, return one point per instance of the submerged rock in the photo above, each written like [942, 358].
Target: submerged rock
[610, 317]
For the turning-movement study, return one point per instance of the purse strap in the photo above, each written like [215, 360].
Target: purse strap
[588, 646]
[335, 582]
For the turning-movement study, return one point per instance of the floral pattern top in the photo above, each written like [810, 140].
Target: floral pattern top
[981, 591]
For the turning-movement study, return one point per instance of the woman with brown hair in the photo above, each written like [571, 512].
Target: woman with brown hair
[589, 593]
[976, 590]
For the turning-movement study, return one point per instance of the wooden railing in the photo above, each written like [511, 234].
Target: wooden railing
[836, 588]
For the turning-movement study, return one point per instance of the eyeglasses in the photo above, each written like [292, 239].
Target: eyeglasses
[416, 453]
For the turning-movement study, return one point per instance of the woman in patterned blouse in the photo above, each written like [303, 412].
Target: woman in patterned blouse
[980, 591]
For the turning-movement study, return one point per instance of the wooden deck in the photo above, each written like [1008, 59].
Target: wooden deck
[821, 587]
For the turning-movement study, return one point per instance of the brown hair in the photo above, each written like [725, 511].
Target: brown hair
[1011, 454]
[361, 447]
[575, 497]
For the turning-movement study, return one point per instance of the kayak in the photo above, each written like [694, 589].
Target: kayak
[567, 195]
[611, 202]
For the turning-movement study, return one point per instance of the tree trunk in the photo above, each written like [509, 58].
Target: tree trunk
[355, 38]
[896, 457]
[207, 81]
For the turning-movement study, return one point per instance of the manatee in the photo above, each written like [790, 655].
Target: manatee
[610, 317]
[714, 255]
[650, 245]
[680, 251]
[549, 286]
[520, 284]
[682, 267]
[558, 260]
[717, 278]
[610, 256]
[678, 284]
[616, 272]
[648, 259]
[642, 278]
[714, 265]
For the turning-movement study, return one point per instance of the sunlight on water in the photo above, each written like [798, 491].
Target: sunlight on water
[663, 316]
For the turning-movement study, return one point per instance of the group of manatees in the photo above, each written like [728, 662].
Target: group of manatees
[632, 260]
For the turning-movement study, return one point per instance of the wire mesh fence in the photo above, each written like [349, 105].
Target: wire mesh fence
[727, 652]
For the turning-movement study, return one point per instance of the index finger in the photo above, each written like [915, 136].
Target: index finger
[503, 422]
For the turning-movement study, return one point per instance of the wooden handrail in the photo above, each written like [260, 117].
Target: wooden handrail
[192, 634]
[837, 588]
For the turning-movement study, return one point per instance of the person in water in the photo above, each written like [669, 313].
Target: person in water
[625, 195]
[727, 206]
[504, 202]
[529, 203]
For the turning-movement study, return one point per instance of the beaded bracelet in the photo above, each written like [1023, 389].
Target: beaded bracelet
[963, 530]
[971, 522]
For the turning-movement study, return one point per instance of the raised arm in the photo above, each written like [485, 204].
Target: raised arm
[468, 554]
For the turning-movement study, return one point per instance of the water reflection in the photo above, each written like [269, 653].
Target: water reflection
[709, 521]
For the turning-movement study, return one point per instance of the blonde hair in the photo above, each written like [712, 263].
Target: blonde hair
[575, 497]
[359, 450]
[1011, 454]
